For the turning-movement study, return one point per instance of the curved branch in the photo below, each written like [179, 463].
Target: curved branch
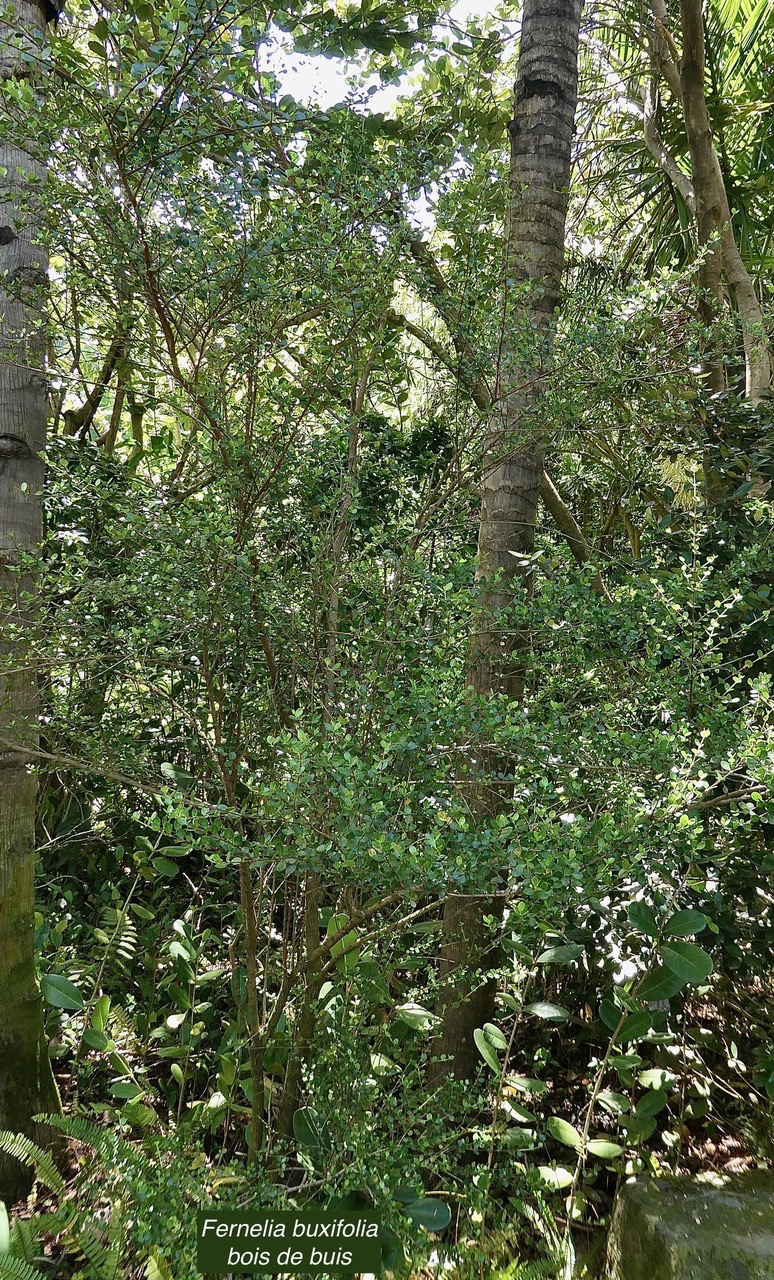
[78, 421]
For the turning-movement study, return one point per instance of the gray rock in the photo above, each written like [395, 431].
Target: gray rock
[714, 1227]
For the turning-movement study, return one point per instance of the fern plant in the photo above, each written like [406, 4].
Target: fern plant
[96, 1240]
[117, 936]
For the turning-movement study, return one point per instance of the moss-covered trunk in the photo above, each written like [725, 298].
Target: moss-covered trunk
[26, 1082]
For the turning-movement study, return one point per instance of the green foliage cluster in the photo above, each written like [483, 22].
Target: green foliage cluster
[257, 580]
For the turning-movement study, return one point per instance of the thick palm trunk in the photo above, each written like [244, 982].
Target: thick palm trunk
[541, 144]
[26, 1082]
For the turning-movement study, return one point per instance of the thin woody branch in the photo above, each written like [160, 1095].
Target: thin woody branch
[77, 421]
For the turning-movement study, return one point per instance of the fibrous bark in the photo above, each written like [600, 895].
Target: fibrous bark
[26, 1083]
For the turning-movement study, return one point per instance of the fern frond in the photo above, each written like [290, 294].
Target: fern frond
[17, 1269]
[117, 937]
[24, 1240]
[104, 1259]
[157, 1267]
[86, 1131]
[28, 1152]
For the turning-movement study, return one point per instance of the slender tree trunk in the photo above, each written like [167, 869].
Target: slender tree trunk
[26, 1082]
[541, 144]
[714, 227]
[712, 209]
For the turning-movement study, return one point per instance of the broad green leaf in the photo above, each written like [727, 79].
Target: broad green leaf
[661, 984]
[651, 1103]
[643, 918]
[100, 1013]
[393, 1254]
[524, 1085]
[96, 1039]
[60, 992]
[126, 1089]
[495, 1037]
[381, 1065]
[655, 1078]
[638, 1128]
[157, 1267]
[614, 1103]
[139, 1115]
[432, 1214]
[142, 912]
[557, 1179]
[415, 1016]
[686, 961]
[685, 924]
[604, 1149]
[165, 866]
[345, 953]
[406, 1195]
[486, 1050]
[549, 1012]
[564, 1132]
[5, 1229]
[610, 1014]
[519, 1115]
[561, 955]
[634, 1027]
[310, 1130]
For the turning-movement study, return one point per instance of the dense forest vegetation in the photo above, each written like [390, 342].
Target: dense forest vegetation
[386, 815]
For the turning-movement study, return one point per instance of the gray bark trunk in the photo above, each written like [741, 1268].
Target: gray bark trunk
[26, 1082]
[541, 135]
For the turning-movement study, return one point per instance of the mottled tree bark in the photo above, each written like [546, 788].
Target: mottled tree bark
[540, 153]
[26, 1082]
